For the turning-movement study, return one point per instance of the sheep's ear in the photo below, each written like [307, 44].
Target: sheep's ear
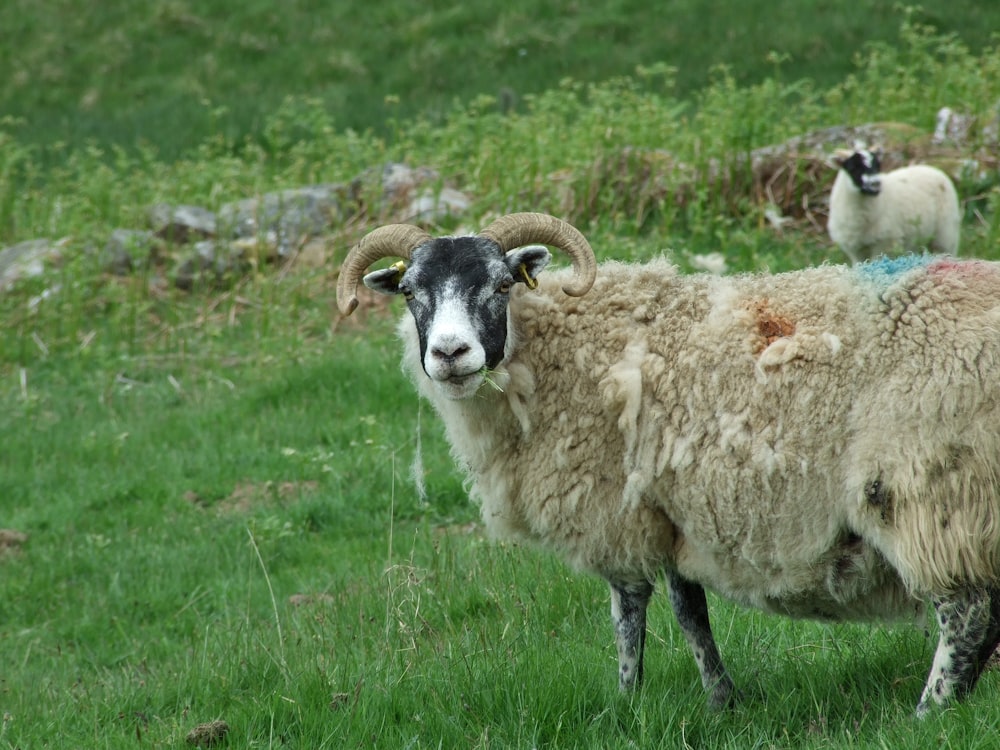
[527, 262]
[840, 156]
[385, 281]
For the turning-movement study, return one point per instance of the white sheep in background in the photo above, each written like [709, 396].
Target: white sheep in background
[910, 208]
[823, 443]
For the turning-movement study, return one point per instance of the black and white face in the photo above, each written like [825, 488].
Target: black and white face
[864, 169]
[457, 289]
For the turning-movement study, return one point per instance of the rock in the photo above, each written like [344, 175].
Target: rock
[212, 264]
[432, 206]
[399, 181]
[410, 194]
[124, 247]
[314, 253]
[28, 259]
[291, 215]
[196, 267]
[181, 224]
[895, 138]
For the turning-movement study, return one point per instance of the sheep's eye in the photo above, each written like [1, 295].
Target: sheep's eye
[504, 287]
[407, 293]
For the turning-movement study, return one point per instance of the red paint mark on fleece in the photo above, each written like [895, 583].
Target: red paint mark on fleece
[966, 269]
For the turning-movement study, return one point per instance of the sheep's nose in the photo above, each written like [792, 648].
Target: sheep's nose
[450, 352]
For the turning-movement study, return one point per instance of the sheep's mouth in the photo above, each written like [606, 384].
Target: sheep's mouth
[871, 185]
[458, 387]
[461, 379]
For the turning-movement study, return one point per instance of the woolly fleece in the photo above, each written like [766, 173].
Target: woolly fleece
[821, 443]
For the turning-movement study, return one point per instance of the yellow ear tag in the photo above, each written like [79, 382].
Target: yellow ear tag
[532, 283]
[400, 267]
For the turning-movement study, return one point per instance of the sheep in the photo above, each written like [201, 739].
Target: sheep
[910, 208]
[820, 443]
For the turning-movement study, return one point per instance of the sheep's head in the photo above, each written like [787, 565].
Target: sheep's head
[863, 166]
[457, 288]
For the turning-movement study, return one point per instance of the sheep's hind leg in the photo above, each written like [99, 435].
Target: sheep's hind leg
[628, 610]
[691, 610]
[969, 625]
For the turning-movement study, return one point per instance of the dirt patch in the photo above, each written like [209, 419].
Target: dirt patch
[209, 734]
[11, 542]
[340, 701]
[249, 495]
[308, 600]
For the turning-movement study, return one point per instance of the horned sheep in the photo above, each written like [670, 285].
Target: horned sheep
[821, 443]
[911, 208]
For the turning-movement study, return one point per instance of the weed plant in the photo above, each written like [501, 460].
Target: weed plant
[215, 487]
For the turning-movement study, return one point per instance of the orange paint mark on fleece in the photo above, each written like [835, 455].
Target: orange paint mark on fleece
[770, 325]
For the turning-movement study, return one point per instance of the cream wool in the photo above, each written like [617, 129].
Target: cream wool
[686, 371]
[820, 443]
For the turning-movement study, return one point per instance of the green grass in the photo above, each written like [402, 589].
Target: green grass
[215, 486]
[172, 73]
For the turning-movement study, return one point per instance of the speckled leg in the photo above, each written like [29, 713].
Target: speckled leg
[628, 611]
[969, 625]
[691, 610]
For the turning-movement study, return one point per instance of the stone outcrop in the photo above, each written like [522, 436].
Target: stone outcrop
[199, 248]
[194, 247]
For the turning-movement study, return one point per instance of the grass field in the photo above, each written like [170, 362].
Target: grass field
[211, 492]
[172, 73]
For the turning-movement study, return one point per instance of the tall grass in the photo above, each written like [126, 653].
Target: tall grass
[215, 486]
[172, 74]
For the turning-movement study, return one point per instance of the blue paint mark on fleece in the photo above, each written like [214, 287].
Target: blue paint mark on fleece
[885, 269]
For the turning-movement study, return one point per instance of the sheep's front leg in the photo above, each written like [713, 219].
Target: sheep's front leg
[628, 611]
[969, 631]
[691, 610]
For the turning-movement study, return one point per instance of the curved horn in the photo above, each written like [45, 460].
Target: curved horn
[516, 230]
[392, 240]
